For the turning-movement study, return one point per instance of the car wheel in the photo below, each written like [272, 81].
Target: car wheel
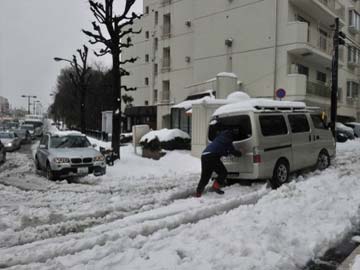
[49, 173]
[280, 174]
[3, 157]
[323, 160]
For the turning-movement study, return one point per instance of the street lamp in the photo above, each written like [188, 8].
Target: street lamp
[28, 97]
[80, 80]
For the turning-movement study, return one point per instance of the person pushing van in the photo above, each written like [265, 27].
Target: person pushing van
[211, 161]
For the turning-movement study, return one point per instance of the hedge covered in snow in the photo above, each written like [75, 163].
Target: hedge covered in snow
[170, 139]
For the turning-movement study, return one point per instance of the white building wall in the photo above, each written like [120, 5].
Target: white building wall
[256, 28]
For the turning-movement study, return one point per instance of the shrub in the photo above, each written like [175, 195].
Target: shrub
[177, 143]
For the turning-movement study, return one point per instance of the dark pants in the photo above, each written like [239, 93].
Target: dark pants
[211, 163]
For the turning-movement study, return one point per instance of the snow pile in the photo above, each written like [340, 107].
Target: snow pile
[238, 96]
[187, 104]
[62, 133]
[356, 265]
[164, 135]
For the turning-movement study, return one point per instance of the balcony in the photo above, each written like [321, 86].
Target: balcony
[325, 11]
[166, 62]
[318, 89]
[311, 43]
[164, 3]
[166, 31]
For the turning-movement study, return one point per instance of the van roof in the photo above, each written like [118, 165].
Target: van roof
[258, 105]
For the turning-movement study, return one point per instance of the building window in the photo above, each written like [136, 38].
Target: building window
[156, 18]
[147, 35]
[146, 103]
[156, 69]
[353, 55]
[352, 89]
[354, 19]
[321, 76]
[147, 10]
[146, 58]
[166, 91]
[323, 40]
[156, 44]
[146, 81]
[303, 70]
[155, 96]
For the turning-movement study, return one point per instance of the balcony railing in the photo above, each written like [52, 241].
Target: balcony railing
[165, 3]
[318, 89]
[165, 64]
[320, 41]
[166, 31]
[165, 96]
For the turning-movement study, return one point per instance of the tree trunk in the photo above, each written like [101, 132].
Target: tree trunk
[82, 110]
[115, 141]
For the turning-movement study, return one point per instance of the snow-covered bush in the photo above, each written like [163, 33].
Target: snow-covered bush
[170, 139]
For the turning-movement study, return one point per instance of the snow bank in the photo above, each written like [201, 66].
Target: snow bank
[164, 135]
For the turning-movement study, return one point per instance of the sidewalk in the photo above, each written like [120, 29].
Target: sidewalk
[349, 261]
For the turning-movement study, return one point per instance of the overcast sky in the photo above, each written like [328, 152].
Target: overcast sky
[32, 33]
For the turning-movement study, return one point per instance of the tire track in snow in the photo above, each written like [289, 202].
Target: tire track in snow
[144, 224]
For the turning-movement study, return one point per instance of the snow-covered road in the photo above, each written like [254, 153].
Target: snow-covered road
[141, 216]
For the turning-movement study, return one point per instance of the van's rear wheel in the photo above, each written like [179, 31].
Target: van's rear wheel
[280, 174]
[323, 160]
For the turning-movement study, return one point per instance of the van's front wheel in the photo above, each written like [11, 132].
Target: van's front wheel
[323, 160]
[280, 174]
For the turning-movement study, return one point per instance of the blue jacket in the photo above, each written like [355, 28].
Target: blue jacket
[221, 145]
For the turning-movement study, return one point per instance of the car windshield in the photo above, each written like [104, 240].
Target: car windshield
[27, 127]
[6, 135]
[69, 141]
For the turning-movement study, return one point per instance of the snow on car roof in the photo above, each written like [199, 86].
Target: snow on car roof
[256, 104]
[66, 133]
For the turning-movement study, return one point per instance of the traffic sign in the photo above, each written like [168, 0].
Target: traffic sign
[280, 93]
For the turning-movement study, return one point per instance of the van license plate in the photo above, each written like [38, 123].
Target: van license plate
[230, 159]
[83, 170]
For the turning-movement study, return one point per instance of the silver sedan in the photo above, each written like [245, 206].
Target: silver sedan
[10, 140]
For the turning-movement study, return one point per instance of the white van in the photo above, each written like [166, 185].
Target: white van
[275, 139]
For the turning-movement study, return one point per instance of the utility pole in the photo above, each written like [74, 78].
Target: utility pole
[337, 40]
[28, 97]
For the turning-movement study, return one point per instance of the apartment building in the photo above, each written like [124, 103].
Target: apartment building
[4, 105]
[268, 44]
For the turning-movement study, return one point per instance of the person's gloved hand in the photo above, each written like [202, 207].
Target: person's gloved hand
[237, 153]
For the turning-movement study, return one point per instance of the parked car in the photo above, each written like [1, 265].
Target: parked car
[10, 140]
[355, 126]
[275, 139]
[67, 154]
[30, 128]
[347, 131]
[2, 153]
[341, 137]
[24, 135]
[38, 126]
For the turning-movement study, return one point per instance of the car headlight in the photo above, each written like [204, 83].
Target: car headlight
[9, 144]
[61, 160]
[99, 158]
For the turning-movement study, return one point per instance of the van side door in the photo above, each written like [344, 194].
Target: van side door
[301, 140]
[322, 136]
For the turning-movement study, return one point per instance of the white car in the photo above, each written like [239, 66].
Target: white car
[10, 140]
[355, 126]
[67, 154]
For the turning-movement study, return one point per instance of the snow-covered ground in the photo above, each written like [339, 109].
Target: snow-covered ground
[141, 215]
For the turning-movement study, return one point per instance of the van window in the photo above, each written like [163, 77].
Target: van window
[318, 122]
[298, 123]
[240, 125]
[272, 125]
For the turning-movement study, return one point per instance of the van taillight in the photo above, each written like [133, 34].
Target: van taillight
[257, 158]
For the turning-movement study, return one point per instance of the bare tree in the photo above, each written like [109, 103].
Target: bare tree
[119, 30]
[80, 79]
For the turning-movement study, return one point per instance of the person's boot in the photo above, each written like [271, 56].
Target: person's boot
[197, 194]
[216, 188]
